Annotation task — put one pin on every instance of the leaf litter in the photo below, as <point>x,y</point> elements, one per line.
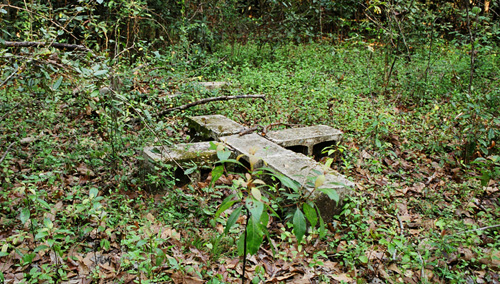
<point>411,209</point>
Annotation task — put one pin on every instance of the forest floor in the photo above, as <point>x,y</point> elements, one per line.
<point>75,205</point>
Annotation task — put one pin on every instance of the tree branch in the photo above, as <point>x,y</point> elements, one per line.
<point>207,100</point>
<point>6,152</point>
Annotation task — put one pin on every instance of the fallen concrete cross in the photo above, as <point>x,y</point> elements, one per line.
<point>272,151</point>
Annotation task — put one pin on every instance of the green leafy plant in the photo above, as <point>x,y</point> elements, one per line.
<point>255,200</point>
<point>489,168</point>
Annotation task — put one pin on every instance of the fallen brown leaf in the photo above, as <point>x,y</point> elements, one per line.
<point>343,277</point>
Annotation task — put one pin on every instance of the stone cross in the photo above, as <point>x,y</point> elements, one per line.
<point>278,150</point>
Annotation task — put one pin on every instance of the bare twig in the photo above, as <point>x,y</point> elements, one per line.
<point>249,130</point>
<point>401,228</point>
<point>6,152</point>
<point>10,77</point>
<point>402,34</point>
<point>207,100</point>
<point>123,51</point>
<point>422,269</point>
<point>479,229</point>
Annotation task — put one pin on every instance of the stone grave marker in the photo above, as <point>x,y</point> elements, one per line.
<point>272,151</point>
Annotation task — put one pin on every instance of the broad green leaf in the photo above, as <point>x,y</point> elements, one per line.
<point>254,235</point>
<point>256,193</point>
<point>310,213</point>
<point>223,155</point>
<point>255,207</point>
<point>264,219</point>
<point>328,163</point>
<point>2,254</point>
<point>57,83</point>
<point>322,228</point>
<point>43,203</point>
<point>213,146</point>
<point>41,234</point>
<point>100,72</point>
<point>226,204</point>
<point>320,180</point>
<point>105,244</point>
<point>241,244</point>
<point>216,174</point>
<point>440,223</point>
<point>190,170</point>
<point>93,192</point>
<point>363,259</point>
<point>273,212</point>
<point>25,215</point>
<point>39,248</point>
<point>299,225</point>
<point>141,243</point>
<point>288,182</point>
<point>28,258</point>
<point>485,178</point>
<point>48,223</point>
<point>332,193</point>
<point>232,219</point>
<point>159,256</point>
<point>147,114</point>
<point>173,262</point>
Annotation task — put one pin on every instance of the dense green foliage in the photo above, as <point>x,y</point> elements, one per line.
<point>414,85</point>
<point>119,24</point>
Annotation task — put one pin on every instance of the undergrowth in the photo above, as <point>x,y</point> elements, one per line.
<point>76,200</point>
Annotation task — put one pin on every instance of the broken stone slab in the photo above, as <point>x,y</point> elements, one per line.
<point>306,140</point>
<point>296,166</point>
<point>214,126</point>
<point>184,154</point>
<point>212,85</point>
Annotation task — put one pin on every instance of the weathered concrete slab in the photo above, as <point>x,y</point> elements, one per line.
<point>214,126</point>
<point>212,85</point>
<point>181,154</point>
<point>307,137</point>
<point>184,152</point>
<point>294,165</point>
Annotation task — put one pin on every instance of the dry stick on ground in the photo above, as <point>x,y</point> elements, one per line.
<point>479,229</point>
<point>207,100</point>
<point>6,152</point>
